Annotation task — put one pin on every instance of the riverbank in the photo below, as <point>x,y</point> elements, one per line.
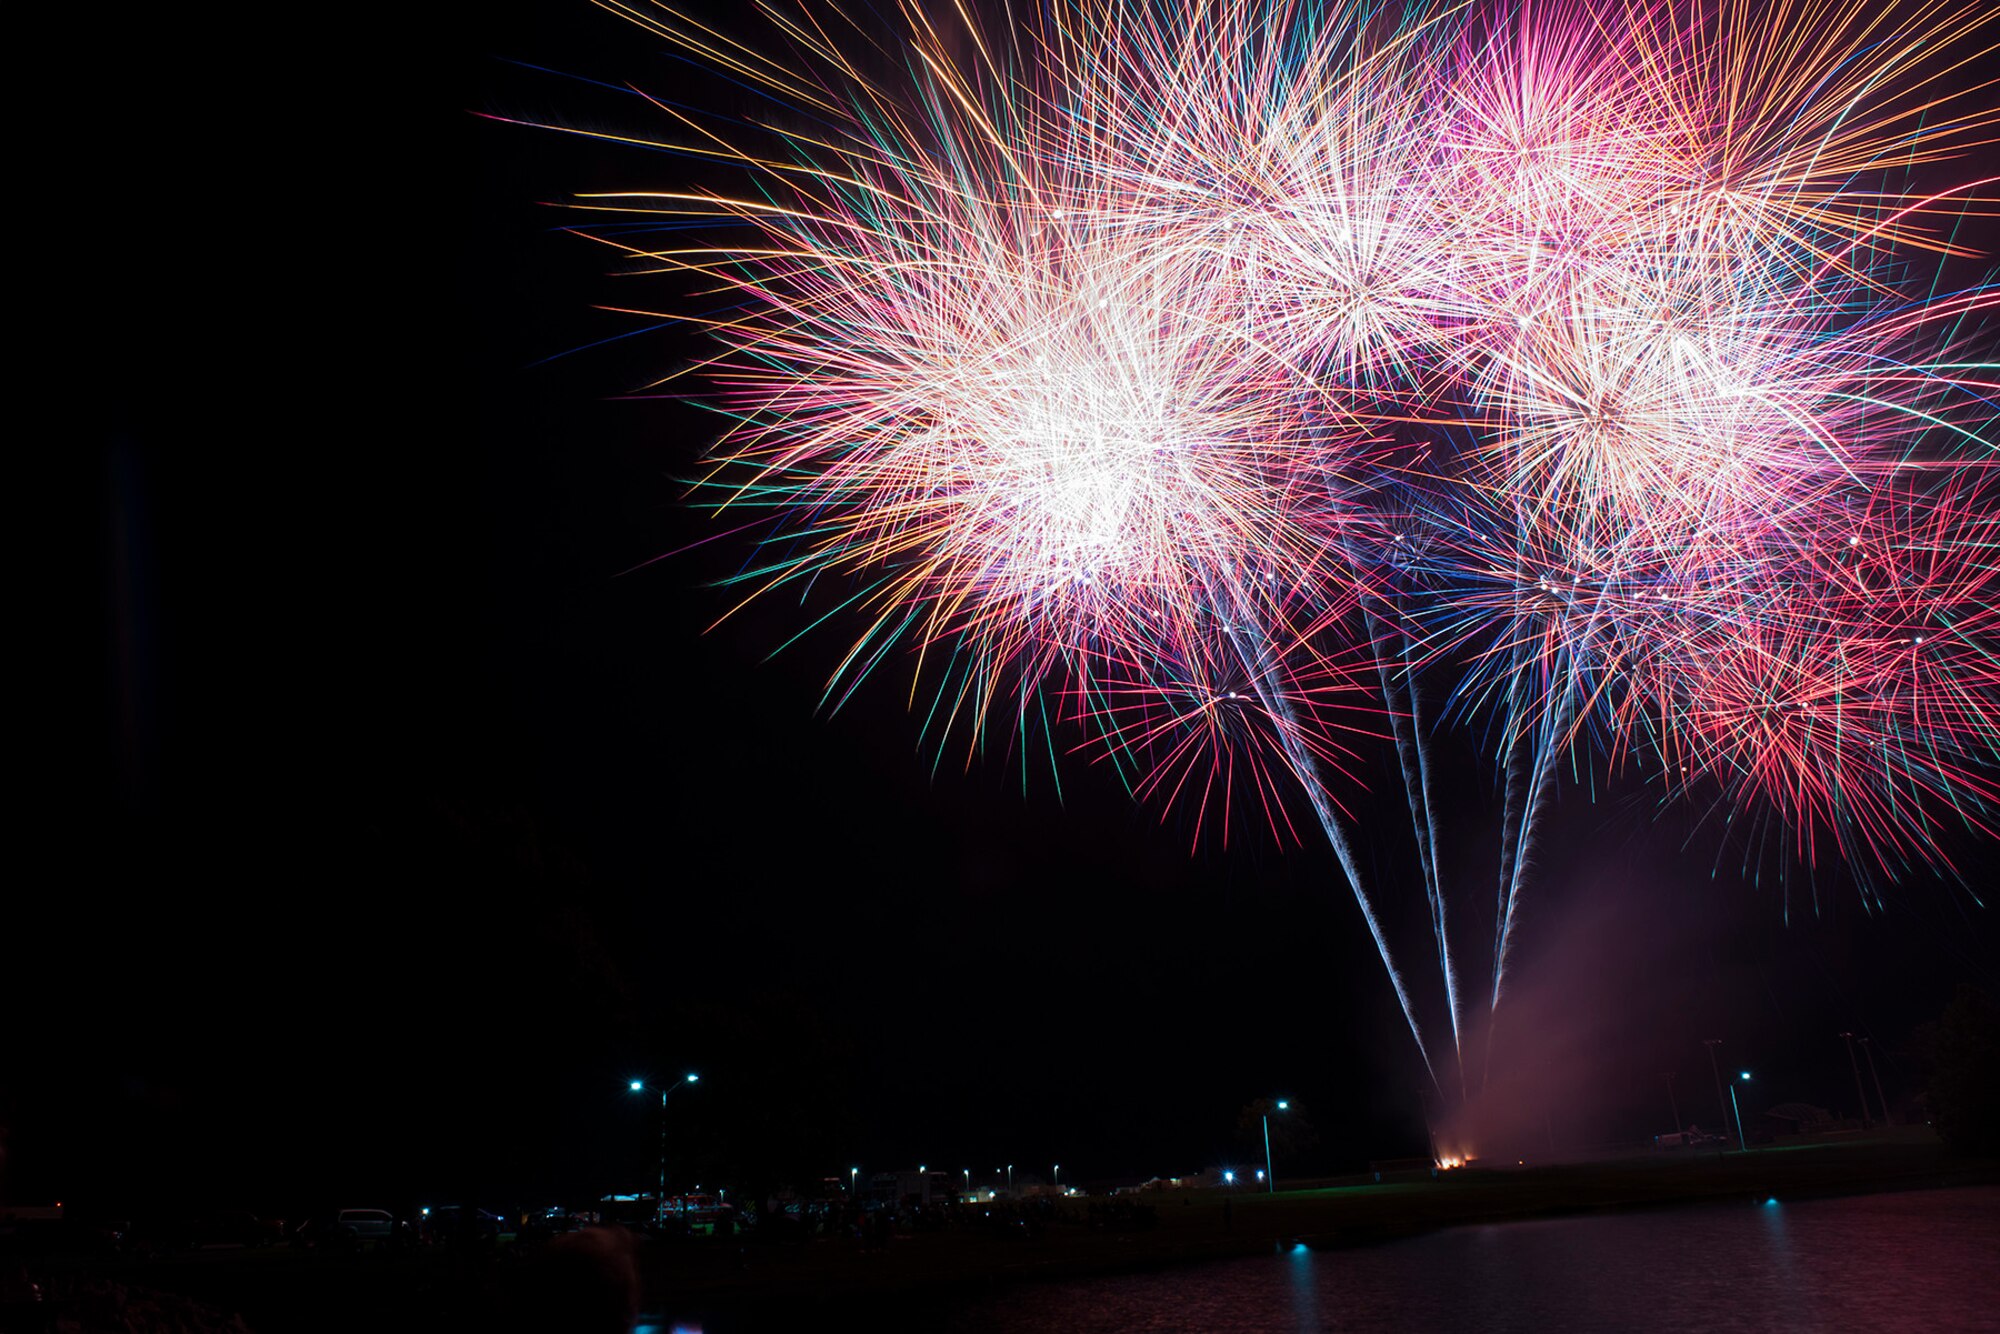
<point>731,1286</point>
<point>781,1286</point>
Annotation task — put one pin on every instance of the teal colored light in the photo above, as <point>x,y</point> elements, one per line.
<point>636,1086</point>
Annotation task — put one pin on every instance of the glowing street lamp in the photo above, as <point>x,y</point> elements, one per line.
<point>639,1086</point>
<point>1741,1143</point>
<point>853,1182</point>
<point>1269,1174</point>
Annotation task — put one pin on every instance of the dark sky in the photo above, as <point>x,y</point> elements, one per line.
<point>394,816</point>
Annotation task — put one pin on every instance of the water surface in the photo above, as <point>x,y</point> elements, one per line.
<point>1925,1260</point>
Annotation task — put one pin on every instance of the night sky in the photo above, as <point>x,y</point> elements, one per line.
<point>391,802</point>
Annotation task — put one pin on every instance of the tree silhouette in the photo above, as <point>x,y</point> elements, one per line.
<point>1960,1052</point>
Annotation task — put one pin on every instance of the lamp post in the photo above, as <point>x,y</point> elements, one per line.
<point>1855,1066</point>
<point>1881,1100</point>
<point>1673,1102</point>
<point>1716,1070</point>
<point>1741,1143</point>
<point>1270,1173</point>
<point>1430,1130</point>
<point>639,1086</point>
<point>1059,1178</point>
<point>1010,1178</point>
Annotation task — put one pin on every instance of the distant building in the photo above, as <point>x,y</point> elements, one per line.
<point>1403,1169</point>
<point>1797,1118</point>
<point>898,1189</point>
<point>1188,1182</point>
<point>634,1210</point>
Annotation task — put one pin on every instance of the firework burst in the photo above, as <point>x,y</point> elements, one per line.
<point>1225,383</point>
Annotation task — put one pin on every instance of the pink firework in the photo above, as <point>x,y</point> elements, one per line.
<point>1177,372</point>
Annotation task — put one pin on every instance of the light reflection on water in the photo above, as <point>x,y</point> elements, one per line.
<point>1926,1260</point>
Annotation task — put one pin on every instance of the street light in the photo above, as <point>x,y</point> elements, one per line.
<point>639,1086</point>
<point>853,1182</point>
<point>1881,1099</point>
<point>1058,1176</point>
<point>1270,1173</point>
<point>1741,1143</point>
<point>1856,1067</point>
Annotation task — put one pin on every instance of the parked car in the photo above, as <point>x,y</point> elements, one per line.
<point>540,1224</point>
<point>461,1225</point>
<point>234,1227</point>
<point>349,1230</point>
<point>698,1216</point>
<point>364,1226</point>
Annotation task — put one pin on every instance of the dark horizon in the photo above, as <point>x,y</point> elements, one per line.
<point>407,804</point>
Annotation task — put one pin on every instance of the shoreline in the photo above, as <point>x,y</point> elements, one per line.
<point>1196,1227</point>
<point>729,1286</point>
